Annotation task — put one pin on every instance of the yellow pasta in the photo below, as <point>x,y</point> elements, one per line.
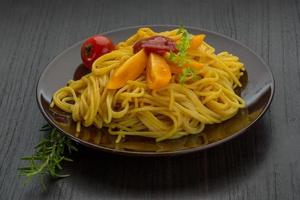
<point>166,113</point>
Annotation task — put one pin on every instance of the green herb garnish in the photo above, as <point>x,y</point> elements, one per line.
<point>183,46</point>
<point>188,71</point>
<point>180,57</point>
<point>49,154</point>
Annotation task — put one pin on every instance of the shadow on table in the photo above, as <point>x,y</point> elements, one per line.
<point>96,173</point>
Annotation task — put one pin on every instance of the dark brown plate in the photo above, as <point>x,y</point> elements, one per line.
<point>258,92</point>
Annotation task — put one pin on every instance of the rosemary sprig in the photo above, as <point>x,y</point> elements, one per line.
<point>49,154</point>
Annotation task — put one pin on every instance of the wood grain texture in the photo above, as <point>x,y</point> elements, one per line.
<point>261,164</point>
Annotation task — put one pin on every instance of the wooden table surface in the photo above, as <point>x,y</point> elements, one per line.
<point>264,163</point>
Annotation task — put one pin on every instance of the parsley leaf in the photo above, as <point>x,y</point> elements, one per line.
<point>180,57</point>
<point>182,47</point>
<point>188,71</point>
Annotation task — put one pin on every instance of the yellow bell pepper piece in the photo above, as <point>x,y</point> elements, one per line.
<point>158,72</point>
<point>196,41</point>
<point>189,63</point>
<point>129,70</point>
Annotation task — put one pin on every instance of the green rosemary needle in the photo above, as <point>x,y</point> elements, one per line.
<point>49,154</point>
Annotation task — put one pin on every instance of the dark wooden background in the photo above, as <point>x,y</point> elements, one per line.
<point>264,163</point>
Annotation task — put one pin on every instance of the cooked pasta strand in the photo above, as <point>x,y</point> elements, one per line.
<point>168,113</point>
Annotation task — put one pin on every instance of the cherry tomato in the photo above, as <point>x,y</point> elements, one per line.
<point>93,48</point>
<point>156,44</point>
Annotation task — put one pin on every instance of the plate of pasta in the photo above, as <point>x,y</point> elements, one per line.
<point>155,90</point>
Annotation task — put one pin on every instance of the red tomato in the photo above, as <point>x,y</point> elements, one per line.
<point>93,48</point>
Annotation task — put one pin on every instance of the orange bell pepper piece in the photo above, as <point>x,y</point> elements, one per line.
<point>196,41</point>
<point>190,63</point>
<point>175,69</point>
<point>193,64</point>
<point>158,72</point>
<point>129,70</point>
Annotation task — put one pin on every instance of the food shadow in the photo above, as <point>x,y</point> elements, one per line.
<point>204,172</point>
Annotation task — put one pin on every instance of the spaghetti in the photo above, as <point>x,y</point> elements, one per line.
<point>166,113</point>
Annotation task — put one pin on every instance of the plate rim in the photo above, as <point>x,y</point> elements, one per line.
<point>169,153</point>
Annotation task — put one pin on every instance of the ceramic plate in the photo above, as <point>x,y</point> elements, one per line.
<point>257,91</point>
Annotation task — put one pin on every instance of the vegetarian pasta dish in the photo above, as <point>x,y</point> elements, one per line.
<point>158,85</point>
